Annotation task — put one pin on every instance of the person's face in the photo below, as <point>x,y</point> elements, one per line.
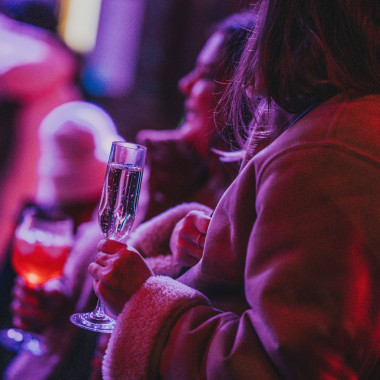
<point>203,86</point>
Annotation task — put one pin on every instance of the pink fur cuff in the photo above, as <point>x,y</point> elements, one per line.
<point>143,326</point>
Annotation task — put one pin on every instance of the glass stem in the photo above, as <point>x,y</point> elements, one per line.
<point>99,312</point>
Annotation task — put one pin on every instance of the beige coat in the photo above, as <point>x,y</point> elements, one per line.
<point>289,283</point>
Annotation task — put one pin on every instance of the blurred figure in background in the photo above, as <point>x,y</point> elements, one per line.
<point>75,139</point>
<point>182,164</point>
<point>38,73</point>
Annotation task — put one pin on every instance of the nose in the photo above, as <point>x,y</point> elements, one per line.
<point>186,83</point>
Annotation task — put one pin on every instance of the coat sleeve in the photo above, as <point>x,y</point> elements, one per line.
<point>311,281</point>
<point>313,261</point>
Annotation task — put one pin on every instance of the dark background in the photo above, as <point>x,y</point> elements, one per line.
<point>172,33</point>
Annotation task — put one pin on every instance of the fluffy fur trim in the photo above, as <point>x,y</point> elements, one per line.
<point>143,326</point>
<point>164,265</point>
<point>152,237</point>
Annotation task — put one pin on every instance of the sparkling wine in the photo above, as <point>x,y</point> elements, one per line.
<point>38,261</point>
<point>120,196</point>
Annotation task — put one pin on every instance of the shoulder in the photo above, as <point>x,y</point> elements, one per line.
<point>341,124</point>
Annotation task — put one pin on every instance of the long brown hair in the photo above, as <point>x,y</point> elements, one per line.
<point>302,51</point>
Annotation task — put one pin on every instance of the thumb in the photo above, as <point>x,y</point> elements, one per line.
<point>202,221</point>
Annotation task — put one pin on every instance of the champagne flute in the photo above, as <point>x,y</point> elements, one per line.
<point>117,211</point>
<point>41,245</point>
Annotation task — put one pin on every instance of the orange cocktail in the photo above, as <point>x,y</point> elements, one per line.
<point>38,261</point>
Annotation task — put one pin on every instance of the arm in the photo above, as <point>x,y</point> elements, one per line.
<point>188,238</point>
<point>311,279</point>
<point>153,238</point>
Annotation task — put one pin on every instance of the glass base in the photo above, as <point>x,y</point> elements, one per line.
<point>17,340</point>
<point>93,322</point>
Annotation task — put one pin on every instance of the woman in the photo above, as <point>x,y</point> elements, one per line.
<point>294,242</point>
<point>184,157</point>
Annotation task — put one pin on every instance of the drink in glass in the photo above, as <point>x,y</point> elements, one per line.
<point>40,248</point>
<point>117,211</point>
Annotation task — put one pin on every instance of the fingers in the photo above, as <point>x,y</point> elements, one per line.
<point>112,266</point>
<point>34,309</point>
<point>105,257</point>
<point>200,240</point>
<point>34,320</point>
<point>195,223</point>
<point>109,252</point>
<point>186,252</point>
<point>195,227</point>
<point>24,294</point>
<point>110,246</point>
<point>188,238</point>
<point>118,274</point>
<point>25,310</point>
<point>201,221</point>
<point>102,258</point>
<point>26,316</point>
<point>114,300</point>
<point>96,271</point>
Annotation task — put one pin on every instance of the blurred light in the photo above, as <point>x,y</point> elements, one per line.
<point>32,279</point>
<point>110,68</point>
<point>17,49</point>
<point>78,23</point>
<point>15,335</point>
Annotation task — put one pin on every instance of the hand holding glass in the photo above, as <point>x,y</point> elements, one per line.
<point>117,212</point>
<point>40,249</point>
